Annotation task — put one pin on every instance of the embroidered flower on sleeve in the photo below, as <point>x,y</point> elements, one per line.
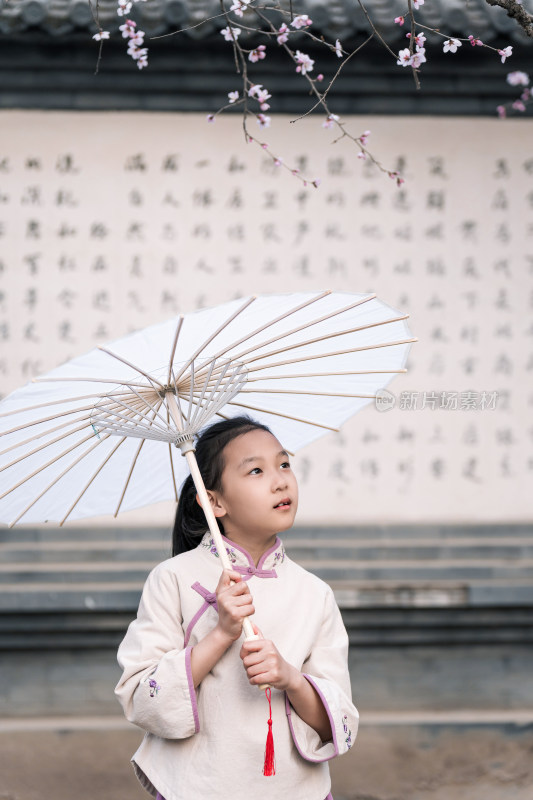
<point>154,687</point>
<point>348,739</point>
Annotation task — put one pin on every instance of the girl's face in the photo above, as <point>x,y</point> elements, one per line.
<point>259,494</point>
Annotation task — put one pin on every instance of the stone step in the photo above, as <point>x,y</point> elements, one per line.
<point>327,568</point>
<point>513,548</point>
<point>373,533</point>
<point>102,596</point>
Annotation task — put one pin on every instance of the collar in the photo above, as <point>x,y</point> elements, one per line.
<point>241,560</point>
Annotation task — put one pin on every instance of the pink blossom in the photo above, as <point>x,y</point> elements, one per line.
<point>338,49</point>
<point>502,113</point>
<point>451,45</point>
<point>519,106</point>
<point>518,78</point>
<point>419,57</point>
<point>420,40</point>
<point>233,97</point>
<point>239,7</point>
<point>278,162</point>
<point>255,89</point>
<point>305,63</point>
<point>264,145</point>
<point>399,20</point>
<point>404,58</point>
<point>137,40</point>
<point>283,34</point>
<point>417,4</point>
<point>361,154</point>
<point>507,52</point>
<point>364,137</point>
<point>128,29</point>
<point>142,61</point>
<point>258,54</point>
<point>473,41</point>
<point>330,120</point>
<point>263,121</point>
<point>262,96</point>
<point>101,35</point>
<point>210,118</point>
<point>320,77</point>
<point>230,34</point>
<point>526,95</point>
<point>301,21</point>
<point>124,7</point>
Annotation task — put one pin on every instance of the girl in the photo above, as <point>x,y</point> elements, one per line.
<point>187,679</point>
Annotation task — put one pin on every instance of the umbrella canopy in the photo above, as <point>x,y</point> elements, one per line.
<point>101,433</point>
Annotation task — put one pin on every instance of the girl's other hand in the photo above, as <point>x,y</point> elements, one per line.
<point>234,603</point>
<point>265,665</point>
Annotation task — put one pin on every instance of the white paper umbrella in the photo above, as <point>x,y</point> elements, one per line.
<point>102,433</point>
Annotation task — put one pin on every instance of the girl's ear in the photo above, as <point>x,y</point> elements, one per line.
<point>216,505</point>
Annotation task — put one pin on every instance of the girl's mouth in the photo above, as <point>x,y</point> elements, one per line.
<point>285,503</point>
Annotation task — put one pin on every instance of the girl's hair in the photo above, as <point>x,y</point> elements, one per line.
<point>190,523</point>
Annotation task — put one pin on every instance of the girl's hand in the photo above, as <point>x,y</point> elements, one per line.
<point>264,665</point>
<point>234,604</point>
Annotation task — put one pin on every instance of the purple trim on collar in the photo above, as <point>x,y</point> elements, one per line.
<point>258,571</point>
<point>192,692</point>
<point>274,547</point>
<point>331,722</point>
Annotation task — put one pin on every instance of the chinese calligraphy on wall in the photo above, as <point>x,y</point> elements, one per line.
<point>110,222</point>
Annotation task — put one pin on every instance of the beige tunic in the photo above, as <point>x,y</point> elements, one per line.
<point>209,743</point>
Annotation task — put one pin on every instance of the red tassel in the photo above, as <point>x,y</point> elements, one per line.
<point>270,762</point>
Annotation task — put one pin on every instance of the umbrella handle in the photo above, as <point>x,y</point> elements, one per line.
<point>249,633</point>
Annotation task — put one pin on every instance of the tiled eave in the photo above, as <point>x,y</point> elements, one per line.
<point>342,19</point>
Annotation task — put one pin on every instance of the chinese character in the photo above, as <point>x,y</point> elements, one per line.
<point>65,164</point>
<point>136,163</point>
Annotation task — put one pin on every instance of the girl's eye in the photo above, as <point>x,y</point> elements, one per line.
<point>255,471</point>
<point>285,465</point>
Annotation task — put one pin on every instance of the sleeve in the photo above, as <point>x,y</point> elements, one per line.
<point>326,669</point>
<point>156,689</point>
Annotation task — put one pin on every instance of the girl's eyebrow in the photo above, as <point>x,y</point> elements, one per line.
<point>261,458</point>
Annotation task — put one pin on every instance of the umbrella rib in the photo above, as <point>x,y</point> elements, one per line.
<point>172,472</point>
<point>52,461</point>
<point>48,464</point>
<point>215,334</point>
<point>334,353</point>
<point>326,374</point>
<point>42,446</point>
<point>131,471</point>
<point>306,392</point>
<point>58,478</point>
<point>287,416</point>
<point>114,381</point>
<point>94,476</point>
<point>137,412</point>
<point>156,413</point>
<point>271,323</point>
<point>44,433</point>
<point>129,364</point>
<point>173,351</point>
<point>332,335</point>
<point>51,403</point>
<point>191,395</point>
<point>203,390</point>
<point>302,327</point>
<point>53,417</point>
